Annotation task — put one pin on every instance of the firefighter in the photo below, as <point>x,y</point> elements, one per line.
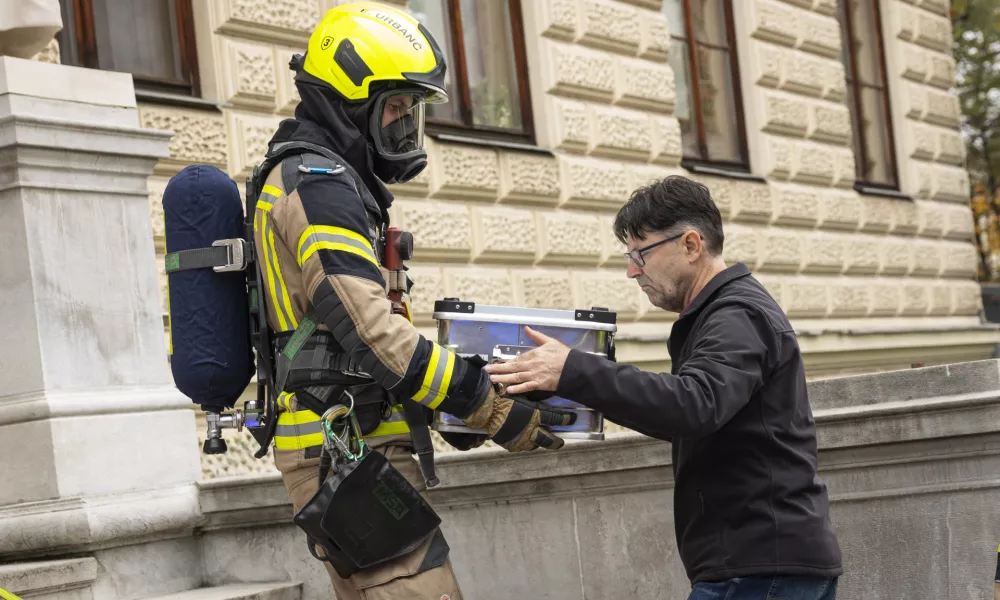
<point>364,81</point>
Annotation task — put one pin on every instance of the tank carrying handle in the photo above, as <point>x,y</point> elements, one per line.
<point>223,256</point>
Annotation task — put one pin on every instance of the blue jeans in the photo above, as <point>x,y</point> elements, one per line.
<point>770,587</point>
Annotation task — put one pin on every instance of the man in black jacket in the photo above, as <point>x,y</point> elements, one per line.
<point>751,514</point>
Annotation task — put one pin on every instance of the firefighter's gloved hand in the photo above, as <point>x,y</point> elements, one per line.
<point>518,424</point>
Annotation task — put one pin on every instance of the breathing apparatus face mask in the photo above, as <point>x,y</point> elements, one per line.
<point>397,133</point>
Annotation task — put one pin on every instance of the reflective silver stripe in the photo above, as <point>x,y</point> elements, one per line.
<point>431,395</point>
<point>298,430</point>
<point>337,239</point>
<point>397,415</point>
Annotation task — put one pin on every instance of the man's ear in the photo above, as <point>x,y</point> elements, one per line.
<point>694,246</point>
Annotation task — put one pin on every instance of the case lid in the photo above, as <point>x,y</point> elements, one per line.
<point>596,318</point>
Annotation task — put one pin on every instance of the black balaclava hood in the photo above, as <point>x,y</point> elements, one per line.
<point>346,125</point>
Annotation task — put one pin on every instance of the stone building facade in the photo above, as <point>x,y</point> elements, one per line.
<point>873,276</point>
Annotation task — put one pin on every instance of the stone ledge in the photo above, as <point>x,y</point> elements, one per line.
<point>63,82</point>
<point>53,404</point>
<point>31,579</point>
<point>86,523</point>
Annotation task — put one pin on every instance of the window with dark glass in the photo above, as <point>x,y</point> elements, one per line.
<point>483,42</point>
<point>709,103</point>
<point>151,39</point>
<point>863,56</point>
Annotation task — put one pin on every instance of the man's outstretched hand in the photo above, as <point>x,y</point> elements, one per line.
<point>537,370</point>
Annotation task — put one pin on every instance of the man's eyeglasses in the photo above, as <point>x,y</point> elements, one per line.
<point>636,255</point>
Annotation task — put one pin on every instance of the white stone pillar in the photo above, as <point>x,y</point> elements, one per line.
<point>92,431</point>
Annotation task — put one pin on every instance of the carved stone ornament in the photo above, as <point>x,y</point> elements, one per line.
<point>27,26</point>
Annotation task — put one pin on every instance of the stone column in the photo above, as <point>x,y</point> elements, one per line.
<point>96,445</point>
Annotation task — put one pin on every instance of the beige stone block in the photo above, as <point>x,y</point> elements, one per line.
<point>834,86</point>
<point>849,297</point>
<point>465,172</point>
<point>278,21</point>
<point>645,85</point>
<point>915,101</point>
<point>620,133</point>
<point>905,217</point>
<point>816,163</point>
<point>865,256</point>
<point>876,214</point>
<point>656,5</point>
<point>805,297</point>
<point>966,298</point>
<point>441,230</point>
<point>923,174</point>
<point>779,158</point>
<point>934,31</point>
<point>846,173</point>
<point>830,123</point>
<point>942,71</point>
<point>824,252</point>
<point>248,137</point>
<point>503,234</point>
<point>940,294</point>
<point>199,137</point>
<point>886,295</point>
<point>609,289</point>
<point>807,74</point>
<point>785,114</point>
<point>775,22</point>
<point>643,175</point>
<point>916,63</point>
<point>667,145</point>
<point>959,224</point>
<point>925,257</point>
<point>593,183</point>
<point>907,20</point>
<point>959,259</point>
<point>949,183</point>
<point>916,299</point>
<point>924,141</point>
<point>951,148</point>
<point>819,34</point>
<point>942,108</point>
<point>796,205</point>
<point>839,209</point>
<point>570,123</point>
<point>610,25</point>
<point>480,285</point>
<point>721,190</point>
<point>545,289</point>
<point>612,250</point>
<point>568,238</point>
<point>781,250</point>
<point>897,256</point>
<point>558,19</point>
<point>770,64</point>
<point>428,287</point>
<point>936,6</point>
<point>529,178</point>
<point>248,75</point>
<point>577,72</point>
<point>750,201</point>
<point>287,93</point>
<point>826,7</point>
<point>654,36</point>
<point>741,244</point>
<point>932,218</point>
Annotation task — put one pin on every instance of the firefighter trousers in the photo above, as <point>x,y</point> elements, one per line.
<point>420,575</point>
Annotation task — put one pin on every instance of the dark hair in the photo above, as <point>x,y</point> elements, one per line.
<point>667,203</point>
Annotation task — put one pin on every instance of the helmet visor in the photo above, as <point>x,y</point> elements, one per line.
<point>401,129</point>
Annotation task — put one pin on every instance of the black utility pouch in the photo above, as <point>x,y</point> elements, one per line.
<point>365,515</point>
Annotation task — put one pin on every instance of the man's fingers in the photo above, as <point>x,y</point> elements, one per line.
<point>537,337</point>
<point>522,388</point>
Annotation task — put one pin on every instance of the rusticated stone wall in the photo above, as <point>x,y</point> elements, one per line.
<point>870,282</point>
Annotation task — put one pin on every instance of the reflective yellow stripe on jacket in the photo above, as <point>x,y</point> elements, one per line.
<point>302,429</point>
<point>280,298</point>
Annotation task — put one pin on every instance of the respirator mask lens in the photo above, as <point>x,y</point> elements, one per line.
<point>401,129</point>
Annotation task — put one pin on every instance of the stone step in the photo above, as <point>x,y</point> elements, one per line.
<point>68,578</point>
<point>282,590</point>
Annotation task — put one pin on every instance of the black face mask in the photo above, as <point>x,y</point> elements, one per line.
<point>393,170</point>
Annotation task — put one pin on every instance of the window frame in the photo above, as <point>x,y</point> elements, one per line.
<point>463,93</point>
<point>693,63</point>
<point>853,90</point>
<point>85,53</point>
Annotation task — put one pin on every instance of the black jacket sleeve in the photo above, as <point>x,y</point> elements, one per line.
<point>725,368</point>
